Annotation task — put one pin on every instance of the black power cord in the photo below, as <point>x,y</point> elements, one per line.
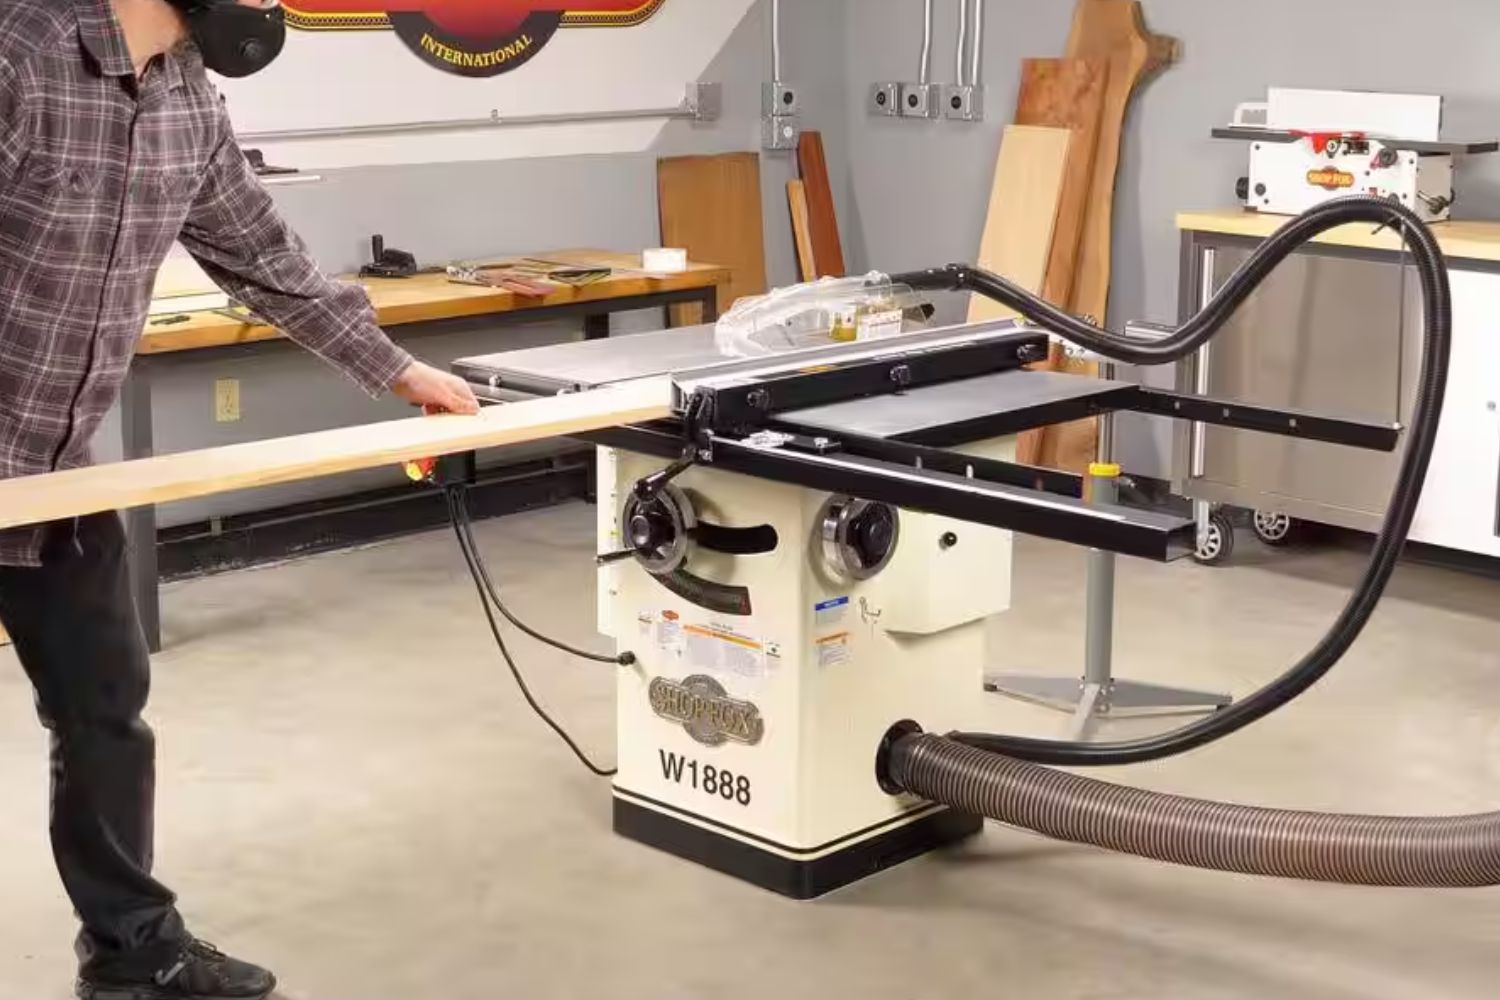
<point>466,525</point>
<point>458,515</point>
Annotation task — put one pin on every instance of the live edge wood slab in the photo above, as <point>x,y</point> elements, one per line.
<point>185,475</point>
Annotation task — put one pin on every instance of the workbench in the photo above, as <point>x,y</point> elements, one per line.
<point>1338,329</point>
<point>416,304</point>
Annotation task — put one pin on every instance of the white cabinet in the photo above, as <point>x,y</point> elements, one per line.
<point>1458,508</point>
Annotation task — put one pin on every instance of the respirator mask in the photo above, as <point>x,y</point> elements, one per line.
<point>234,39</point>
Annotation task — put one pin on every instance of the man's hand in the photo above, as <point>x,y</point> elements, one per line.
<point>423,385</point>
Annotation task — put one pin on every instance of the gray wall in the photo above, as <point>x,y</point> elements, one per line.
<point>921,189</point>
<point>443,212</point>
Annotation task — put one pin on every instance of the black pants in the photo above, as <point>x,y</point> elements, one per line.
<point>74,625</point>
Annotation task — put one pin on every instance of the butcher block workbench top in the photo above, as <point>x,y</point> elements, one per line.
<point>1460,240</point>
<point>429,297</point>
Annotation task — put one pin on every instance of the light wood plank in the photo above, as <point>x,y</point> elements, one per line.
<point>711,207</point>
<point>796,197</point>
<point>1063,93</point>
<point>1023,208</point>
<point>1460,240</point>
<point>430,297</point>
<point>185,475</point>
<point>1024,202</point>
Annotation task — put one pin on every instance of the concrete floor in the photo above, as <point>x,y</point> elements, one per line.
<point>352,791</point>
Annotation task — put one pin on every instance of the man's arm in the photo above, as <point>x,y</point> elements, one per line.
<point>238,236</point>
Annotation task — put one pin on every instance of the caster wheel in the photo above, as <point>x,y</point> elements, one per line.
<point>1273,529</point>
<point>1217,543</point>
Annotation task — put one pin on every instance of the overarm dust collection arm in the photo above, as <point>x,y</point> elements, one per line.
<point>1421,437</point>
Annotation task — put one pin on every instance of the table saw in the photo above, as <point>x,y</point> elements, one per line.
<point>807,552</point>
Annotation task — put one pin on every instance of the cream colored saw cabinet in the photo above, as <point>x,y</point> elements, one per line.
<point>765,682</point>
<point>1336,330</point>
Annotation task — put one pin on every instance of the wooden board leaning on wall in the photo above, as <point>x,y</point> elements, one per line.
<point>711,207</point>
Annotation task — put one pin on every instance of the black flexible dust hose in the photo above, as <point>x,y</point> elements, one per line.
<point>1418,852</point>
<point>1421,436</point>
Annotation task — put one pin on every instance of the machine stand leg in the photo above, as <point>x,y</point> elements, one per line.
<point>1098,694</point>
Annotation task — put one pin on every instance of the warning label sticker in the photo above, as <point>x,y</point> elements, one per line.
<point>830,612</point>
<point>669,631</point>
<point>662,630</point>
<point>722,650</point>
<point>833,649</point>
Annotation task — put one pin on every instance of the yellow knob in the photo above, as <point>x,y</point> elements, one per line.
<point>1101,470</point>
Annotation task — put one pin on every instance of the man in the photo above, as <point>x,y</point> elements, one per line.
<point>113,144</point>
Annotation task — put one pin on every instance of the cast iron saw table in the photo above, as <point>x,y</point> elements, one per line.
<point>886,421</point>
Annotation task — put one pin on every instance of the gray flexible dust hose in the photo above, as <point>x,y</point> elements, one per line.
<point>1429,852</point>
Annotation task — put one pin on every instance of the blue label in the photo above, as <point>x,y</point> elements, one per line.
<point>837,602</point>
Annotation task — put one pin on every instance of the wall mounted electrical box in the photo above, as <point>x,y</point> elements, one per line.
<point>920,100</point>
<point>779,126</point>
<point>964,103</point>
<point>885,99</point>
<point>779,99</point>
<point>780,132</point>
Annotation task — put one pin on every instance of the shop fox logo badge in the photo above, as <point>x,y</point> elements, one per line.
<point>469,37</point>
<point>1330,179</point>
<point>706,711</point>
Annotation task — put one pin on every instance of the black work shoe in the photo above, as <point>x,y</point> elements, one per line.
<point>198,972</point>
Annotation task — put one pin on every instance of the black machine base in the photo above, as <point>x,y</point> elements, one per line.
<point>799,879</point>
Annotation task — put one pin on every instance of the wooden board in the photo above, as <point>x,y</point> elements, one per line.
<point>1115,31</point>
<point>429,297</point>
<point>1023,211</point>
<point>711,207</point>
<point>1066,93</point>
<point>796,197</point>
<point>181,476</point>
<point>823,220</point>
<point>1111,32</point>
<point>1063,93</point>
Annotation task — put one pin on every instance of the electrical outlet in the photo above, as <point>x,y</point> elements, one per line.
<point>778,98</point>
<point>780,132</point>
<point>227,400</point>
<point>963,103</point>
<point>919,100</point>
<point>885,99</point>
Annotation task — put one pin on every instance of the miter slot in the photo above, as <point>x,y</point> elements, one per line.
<point>1113,529</point>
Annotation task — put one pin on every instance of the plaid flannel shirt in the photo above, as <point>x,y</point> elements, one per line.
<point>99,174</point>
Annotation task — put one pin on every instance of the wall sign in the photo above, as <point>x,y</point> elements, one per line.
<point>465,37</point>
